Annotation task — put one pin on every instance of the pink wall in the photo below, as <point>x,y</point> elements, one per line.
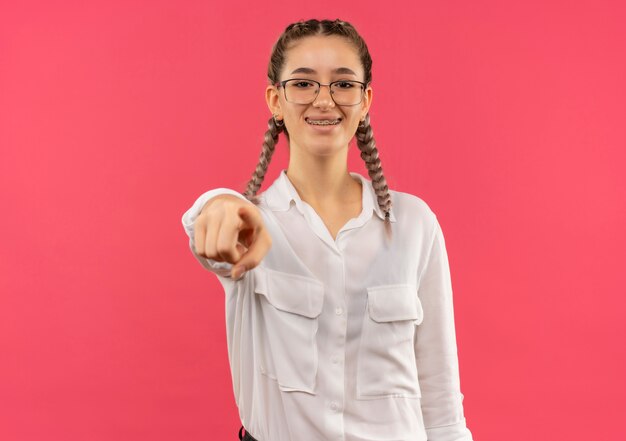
<point>506,117</point>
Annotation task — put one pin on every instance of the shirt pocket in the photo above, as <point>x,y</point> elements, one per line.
<point>290,305</point>
<point>386,363</point>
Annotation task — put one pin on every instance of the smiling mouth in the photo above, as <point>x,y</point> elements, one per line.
<point>323,122</point>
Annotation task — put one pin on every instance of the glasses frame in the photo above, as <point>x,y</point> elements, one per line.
<point>319,87</point>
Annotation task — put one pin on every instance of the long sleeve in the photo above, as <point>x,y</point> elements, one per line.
<point>436,349</point>
<point>222,269</point>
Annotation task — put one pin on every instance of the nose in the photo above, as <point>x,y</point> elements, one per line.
<point>324,98</point>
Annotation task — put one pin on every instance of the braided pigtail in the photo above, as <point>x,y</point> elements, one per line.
<point>369,154</point>
<point>269,145</point>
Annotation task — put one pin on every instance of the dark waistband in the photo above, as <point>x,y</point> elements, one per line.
<point>246,436</point>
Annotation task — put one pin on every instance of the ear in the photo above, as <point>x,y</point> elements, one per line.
<point>367,101</point>
<point>272,97</point>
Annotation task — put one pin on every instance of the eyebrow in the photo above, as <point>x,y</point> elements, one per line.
<point>339,70</point>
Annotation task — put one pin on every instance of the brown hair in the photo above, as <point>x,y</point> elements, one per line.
<point>364,133</point>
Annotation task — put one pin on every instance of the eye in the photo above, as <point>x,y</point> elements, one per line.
<point>303,84</point>
<point>345,85</point>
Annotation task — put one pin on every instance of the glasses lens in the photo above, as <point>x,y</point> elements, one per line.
<point>345,93</point>
<point>300,91</point>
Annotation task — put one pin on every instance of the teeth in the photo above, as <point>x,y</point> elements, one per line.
<point>323,122</point>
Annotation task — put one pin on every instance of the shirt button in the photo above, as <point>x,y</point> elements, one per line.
<point>334,406</point>
<point>339,310</point>
<point>335,360</point>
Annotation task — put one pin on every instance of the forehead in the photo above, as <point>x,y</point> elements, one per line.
<point>323,54</point>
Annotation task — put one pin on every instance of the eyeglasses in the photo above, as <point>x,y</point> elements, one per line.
<point>305,91</point>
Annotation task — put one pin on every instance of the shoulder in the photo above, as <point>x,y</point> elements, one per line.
<point>412,203</point>
<point>412,210</point>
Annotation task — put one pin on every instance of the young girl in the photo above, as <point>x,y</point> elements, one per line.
<point>339,308</point>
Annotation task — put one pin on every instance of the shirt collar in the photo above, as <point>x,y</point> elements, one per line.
<point>280,194</point>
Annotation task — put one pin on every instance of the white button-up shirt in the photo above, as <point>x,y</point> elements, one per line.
<point>346,339</point>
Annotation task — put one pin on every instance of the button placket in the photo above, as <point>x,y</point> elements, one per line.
<point>336,348</point>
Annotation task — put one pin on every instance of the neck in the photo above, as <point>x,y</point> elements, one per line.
<point>323,183</point>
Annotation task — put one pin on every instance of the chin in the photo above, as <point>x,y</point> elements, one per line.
<point>325,148</point>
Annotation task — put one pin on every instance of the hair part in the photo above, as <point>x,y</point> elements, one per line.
<point>364,134</point>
